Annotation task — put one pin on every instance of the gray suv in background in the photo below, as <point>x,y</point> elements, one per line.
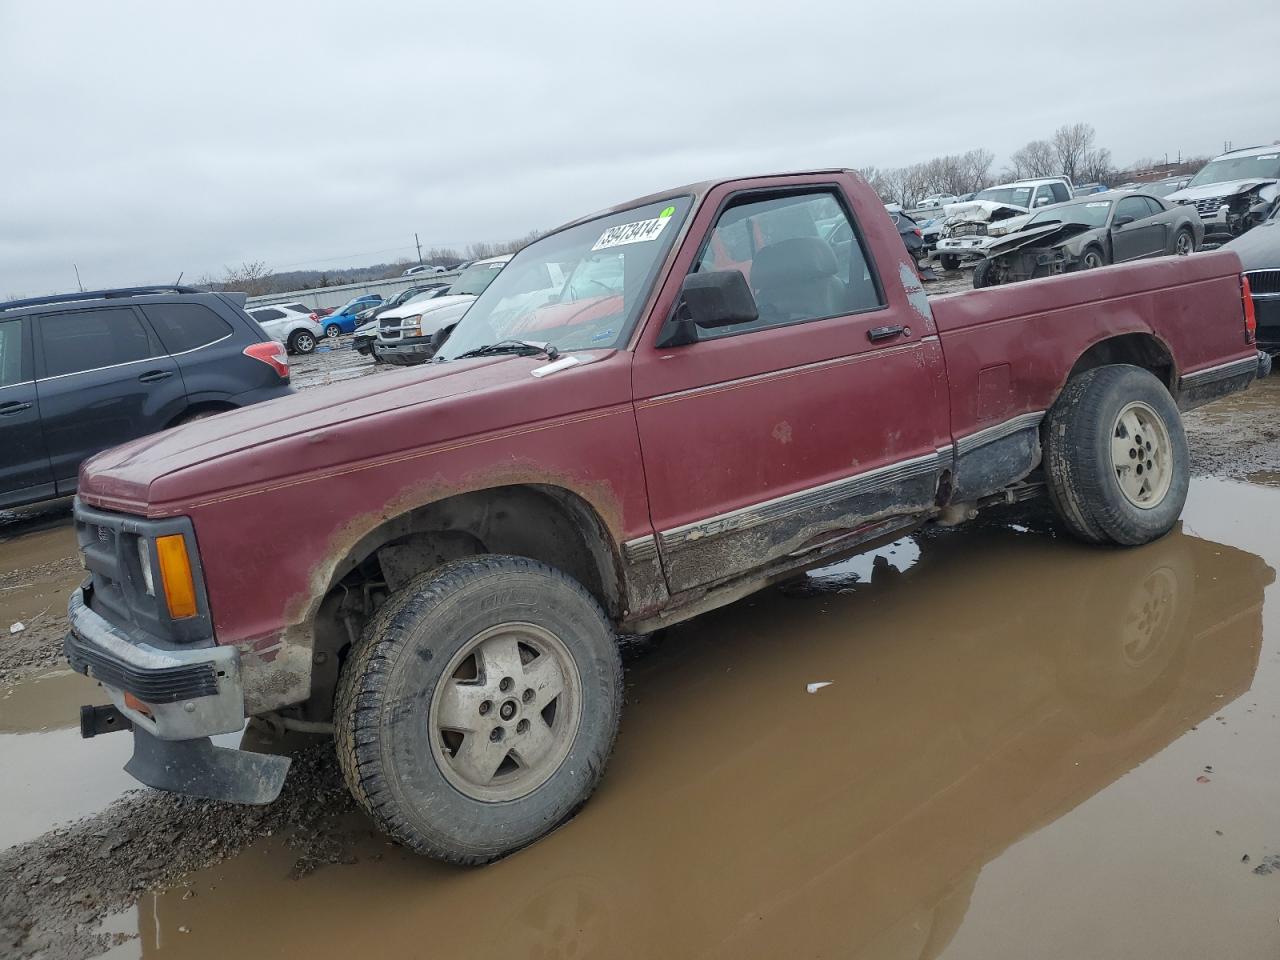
<point>86,371</point>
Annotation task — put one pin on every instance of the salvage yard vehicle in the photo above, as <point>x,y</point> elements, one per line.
<point>1259,251</point>
<point>649,413</point>
<point>291,326</point>
<point>1234,192</point>
<point>411,333</point>
<point>1086,234</point>
<point>343,320</point>
<point>993,212</point>
<point>81,372</point>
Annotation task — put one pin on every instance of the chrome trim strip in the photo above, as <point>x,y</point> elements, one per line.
<point>228,336</point>
<point>769,511</point>
<point>1222,371</point>
<point>110,366</point>
<point>999,431</point>
<point>20,383</point>
<point>641,549</point>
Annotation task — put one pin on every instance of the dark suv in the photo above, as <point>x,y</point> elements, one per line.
<point>86,371</point>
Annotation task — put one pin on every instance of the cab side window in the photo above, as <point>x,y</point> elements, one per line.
<point>801,257</point>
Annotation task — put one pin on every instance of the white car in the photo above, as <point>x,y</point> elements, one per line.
<point>291,324</point>
<point>936,200</point>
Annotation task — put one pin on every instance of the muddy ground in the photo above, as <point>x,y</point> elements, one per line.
<point>1028,748</point>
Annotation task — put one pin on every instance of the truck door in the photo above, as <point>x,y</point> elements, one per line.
<point>102,378</point>
<point>821,420</point>
<point>25,475</point>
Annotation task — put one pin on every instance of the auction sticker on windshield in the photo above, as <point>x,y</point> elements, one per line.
<point>638,231</point>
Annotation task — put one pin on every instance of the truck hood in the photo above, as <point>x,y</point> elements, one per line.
<point>149,475</point>
<point>982,210</point>
<point>426,307</point>
<point>1227,188</point>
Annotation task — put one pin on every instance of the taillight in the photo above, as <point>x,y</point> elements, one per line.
<point>315,316</point>
<point>1250,315</point>
<point>917,232</point>
<point>273,354</point>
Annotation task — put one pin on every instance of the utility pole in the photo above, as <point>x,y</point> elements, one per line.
<point>419,246</point>
<point>78,283</point>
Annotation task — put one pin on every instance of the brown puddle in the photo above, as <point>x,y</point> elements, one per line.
<point>1005,764</point>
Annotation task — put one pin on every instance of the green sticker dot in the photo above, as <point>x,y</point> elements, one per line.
<point>669,212</point>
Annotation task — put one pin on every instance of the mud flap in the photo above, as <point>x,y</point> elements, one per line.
<point>199,769</point>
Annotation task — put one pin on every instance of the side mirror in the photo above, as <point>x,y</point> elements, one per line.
<point>1043,202</point>
<point>710,298</point>
<point>1121,221</point>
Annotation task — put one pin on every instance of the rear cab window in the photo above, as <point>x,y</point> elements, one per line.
<point>186,326</point>
<point>91,340</point>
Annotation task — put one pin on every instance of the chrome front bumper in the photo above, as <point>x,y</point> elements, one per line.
<point>190,693</point>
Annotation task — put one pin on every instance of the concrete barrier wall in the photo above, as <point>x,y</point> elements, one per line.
<point>337,296</point>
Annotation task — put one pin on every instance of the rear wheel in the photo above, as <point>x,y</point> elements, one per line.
<point>332,330</point>
<point>1116,457</point>
<point>480,707</point>
<point>302,342</point>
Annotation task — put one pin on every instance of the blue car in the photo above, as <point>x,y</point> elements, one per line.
<point>343,320</point>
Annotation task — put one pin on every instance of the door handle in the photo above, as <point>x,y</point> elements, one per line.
<point>876,334</point>
<point>155,376</point>
<point>13,406</point>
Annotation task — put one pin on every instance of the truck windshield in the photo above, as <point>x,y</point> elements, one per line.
<point>1265,166</point>
<point>580,288</point>
<point>1013,196</point>
<point>474,280</point>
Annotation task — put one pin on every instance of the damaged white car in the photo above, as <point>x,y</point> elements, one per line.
<point>993,213</point>
<point>1234,192</point>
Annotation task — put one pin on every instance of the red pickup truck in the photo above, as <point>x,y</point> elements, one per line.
<point>651,412</point>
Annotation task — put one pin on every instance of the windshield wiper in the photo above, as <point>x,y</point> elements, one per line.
<point>511,346</point>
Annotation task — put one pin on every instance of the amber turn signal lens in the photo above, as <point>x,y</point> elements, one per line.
<point>175,573</point>
<point>133,702</point>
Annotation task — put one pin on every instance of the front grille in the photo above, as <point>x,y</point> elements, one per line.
<point>1266,282</point>
<point>108,542</point>
<point>968,230</point>
<point>1207,206</point>
<point>389,328</point>
<point>158,685</point>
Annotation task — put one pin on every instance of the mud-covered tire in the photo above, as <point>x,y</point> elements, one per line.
<point>949,261</point>
<point>1087,479</point>
<point>982,274</point>
<point>395,758</point>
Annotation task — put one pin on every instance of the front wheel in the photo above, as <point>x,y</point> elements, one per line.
<point>1184,243</point>
<point>333,330</point>
<point>479,708</point>
<point>949,262</point>
<point>984,274</point>
<point>1092,259</point>
<point>1116,457</point>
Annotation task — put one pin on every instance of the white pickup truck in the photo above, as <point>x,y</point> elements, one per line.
<point>992,213</point>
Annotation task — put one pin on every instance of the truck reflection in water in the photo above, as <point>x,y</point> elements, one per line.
<point>979,694</point>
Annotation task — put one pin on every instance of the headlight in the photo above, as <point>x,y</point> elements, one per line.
<point>414,321</point>
<point>144,561</point>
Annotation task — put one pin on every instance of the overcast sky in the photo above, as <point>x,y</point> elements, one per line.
<point>144,139</point>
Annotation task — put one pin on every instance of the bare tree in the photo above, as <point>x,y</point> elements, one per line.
<point>1034,159</point>
<point>1096,166</point>
<point>1072,144</point>
<point>975,171</point>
